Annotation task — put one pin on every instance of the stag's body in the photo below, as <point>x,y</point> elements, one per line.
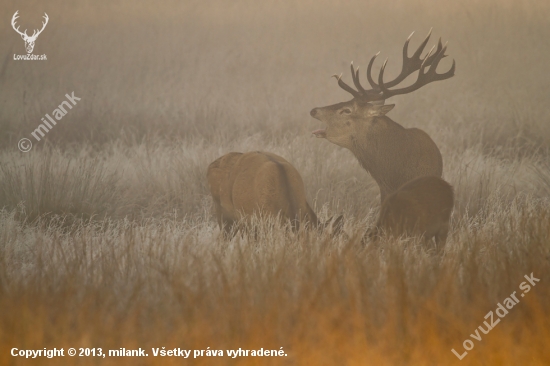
<point>421,207</point>
<point>392,154</point>
<point>244,184</point>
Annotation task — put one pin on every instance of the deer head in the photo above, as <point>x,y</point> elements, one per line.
<point>29,40</point>
<point>366,102</point>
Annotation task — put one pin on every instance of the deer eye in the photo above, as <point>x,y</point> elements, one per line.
<point>345,111</point>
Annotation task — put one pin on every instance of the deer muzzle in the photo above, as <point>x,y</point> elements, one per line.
<point>317,133</point>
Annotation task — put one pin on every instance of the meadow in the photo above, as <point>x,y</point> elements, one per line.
<point>107,237</point>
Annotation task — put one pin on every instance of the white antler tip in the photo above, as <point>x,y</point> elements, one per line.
<point>409,38</point>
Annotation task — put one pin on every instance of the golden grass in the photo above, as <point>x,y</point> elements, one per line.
<point>106,233</point>
<point>325,301</point>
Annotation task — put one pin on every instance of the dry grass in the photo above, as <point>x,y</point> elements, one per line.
<point>106,234</point>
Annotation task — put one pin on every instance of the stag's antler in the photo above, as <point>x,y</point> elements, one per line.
<point>423,77</point>
<point>15,16</point>
<point>46,18</point>
<point>381,91</point>
<point>36,32</point>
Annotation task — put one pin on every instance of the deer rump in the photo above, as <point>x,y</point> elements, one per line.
<point>244,184</point>
<point>421,207</point>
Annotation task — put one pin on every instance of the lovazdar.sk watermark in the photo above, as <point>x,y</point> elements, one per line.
<point>500,311</point>
<point>29,40</point>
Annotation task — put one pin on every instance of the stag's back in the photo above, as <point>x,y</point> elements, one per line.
<point>257,183</point>
<point>421,207</point>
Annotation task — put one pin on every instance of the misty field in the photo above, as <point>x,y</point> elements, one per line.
<point>107,238</point>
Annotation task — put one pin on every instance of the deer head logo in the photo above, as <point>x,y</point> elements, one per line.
<point>29,41</point>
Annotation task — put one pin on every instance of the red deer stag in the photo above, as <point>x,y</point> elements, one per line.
<point>259,183</point>
<point>421,207</point>
<point>392,154</point>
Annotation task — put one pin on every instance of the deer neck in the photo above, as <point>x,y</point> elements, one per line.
<point>373,149</point>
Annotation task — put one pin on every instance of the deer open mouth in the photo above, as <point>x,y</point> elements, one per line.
<point>320,133</point>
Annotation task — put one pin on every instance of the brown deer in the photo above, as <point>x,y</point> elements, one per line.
<point>244,184</point>
<point>392,154</point>
<point>421,207</point>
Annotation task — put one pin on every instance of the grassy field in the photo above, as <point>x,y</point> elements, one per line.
<point>107,238</point>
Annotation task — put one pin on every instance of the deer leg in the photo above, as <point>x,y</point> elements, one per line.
<point>228,229</point>
<point>371,235</point>
<point>441,236</point>
<point>429,243</point>
<point>338,225</point>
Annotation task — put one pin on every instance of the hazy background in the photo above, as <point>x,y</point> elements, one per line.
<point>194,80</point>
<point>168,87</point>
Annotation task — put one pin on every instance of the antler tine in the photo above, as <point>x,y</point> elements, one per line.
<point>427,57</point>
<point>369,69</point>
<point>346,87</point>
<point>450,73</point>
<point>420,48</point>
<point>406,46</point>
<point>355,78</point>
<point>381,77</point>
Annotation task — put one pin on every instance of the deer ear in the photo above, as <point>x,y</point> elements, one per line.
<point>380,110</point>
